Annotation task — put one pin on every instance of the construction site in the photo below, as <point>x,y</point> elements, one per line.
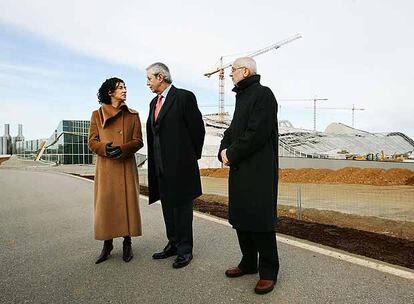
<point>318,156</point>
<point>336,184</point>
<point>337,142</point>
<point>342,187</point>
<point>342,181</point>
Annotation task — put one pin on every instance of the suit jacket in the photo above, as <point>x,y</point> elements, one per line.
<point>175,142</point>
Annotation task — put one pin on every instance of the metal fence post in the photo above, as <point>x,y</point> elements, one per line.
<point>299,202</point>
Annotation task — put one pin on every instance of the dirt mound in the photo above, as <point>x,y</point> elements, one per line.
<point>3,159</point>
<point>303,175</point>
<point>356,176</point>
<point>215,172</point>
<point>351,175</point>
<point>410,181</point>
<point>400,174</point>
<point>348,175</point>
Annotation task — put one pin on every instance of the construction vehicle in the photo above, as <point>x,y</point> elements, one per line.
<point>356,157</point>
<point>379,157</point>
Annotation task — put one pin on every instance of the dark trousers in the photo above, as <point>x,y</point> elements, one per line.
<point>262,244</point>
<point>179,226</point>
<point>178,221</point>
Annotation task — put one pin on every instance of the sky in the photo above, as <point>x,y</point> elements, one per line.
<point>54,55</point>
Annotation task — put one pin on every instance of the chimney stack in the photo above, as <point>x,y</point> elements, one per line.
<point>20,134</point>
<point>6,130</point>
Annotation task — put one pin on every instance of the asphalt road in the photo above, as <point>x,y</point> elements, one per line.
<point>47,254</point>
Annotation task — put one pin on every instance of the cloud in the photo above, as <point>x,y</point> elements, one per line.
<point>352,52</point>
<point>23,70</point>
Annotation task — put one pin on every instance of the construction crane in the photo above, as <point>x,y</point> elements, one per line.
<point>222,67</point>
<point>314,106</point>
<point>353,109</point>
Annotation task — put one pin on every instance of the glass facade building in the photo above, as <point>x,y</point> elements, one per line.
<point>67,145</point>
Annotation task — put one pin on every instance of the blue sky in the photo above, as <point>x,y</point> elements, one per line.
<point>55,54</point>
<point>43,82</point>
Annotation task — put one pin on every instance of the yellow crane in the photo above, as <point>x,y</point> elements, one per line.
<point>220,69</point>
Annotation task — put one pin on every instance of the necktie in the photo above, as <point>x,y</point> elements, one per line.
<point>158,107</point>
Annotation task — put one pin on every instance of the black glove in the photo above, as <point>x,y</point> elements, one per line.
<point>113,152</point>
<point>117,152</point>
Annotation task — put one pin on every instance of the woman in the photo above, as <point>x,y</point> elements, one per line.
<point>115,135</point>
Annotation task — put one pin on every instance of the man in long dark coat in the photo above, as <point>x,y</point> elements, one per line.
<point>250,148</point>
<point>175,135</point>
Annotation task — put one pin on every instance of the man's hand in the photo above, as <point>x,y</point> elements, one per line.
<point>224,157</point>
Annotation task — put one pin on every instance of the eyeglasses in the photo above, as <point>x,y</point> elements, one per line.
<point>234,69</point>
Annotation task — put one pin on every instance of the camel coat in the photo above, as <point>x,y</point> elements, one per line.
<point>116,200</point>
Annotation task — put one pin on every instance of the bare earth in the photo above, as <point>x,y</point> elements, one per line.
<point>3,159</point>
<point>348,175</point>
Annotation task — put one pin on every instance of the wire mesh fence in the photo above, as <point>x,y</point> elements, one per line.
<point>380,209</point>
<point>388,202</point>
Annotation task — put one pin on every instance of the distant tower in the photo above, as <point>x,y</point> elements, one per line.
<point>20,134</point>
<point>6,140</point>
<point>17,139</point>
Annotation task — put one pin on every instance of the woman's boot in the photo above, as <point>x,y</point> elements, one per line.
<point>106,251</point>
<point>127,254</point>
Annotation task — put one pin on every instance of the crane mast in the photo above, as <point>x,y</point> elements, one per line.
<point>353,114</point>
<point>221,93</point>
<point>314,106</point>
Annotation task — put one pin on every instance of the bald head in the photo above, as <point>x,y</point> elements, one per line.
<point>247,62</point>
<point>242,68</point>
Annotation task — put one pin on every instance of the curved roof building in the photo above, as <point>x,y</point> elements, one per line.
<point>338,140</point>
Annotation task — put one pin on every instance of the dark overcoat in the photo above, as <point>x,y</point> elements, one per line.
<point>252,150</point>
<point>116,199</point>
<point>175,142</point>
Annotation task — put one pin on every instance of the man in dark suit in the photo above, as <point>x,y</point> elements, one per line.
<point>175,135</point>
<point>250,148</point>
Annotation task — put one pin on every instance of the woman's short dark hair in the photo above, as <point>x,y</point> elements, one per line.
<point>107,87</point>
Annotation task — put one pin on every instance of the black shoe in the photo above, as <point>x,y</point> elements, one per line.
<point>167,252</point>
<point>106,252</point>
<point>127,254</point>
<point>182,260</point>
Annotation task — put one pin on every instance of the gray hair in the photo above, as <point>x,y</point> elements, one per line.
<point>248,63</point>
<point>160,68</point>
